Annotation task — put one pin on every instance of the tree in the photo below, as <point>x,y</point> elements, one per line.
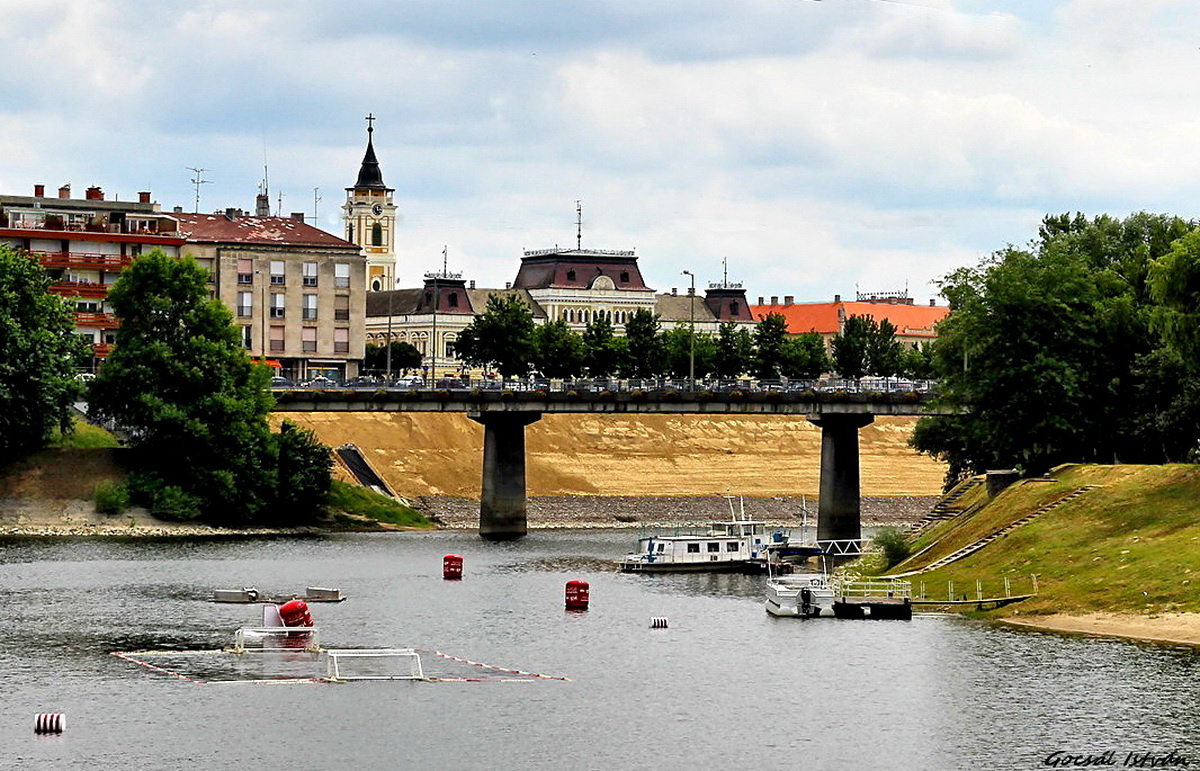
<point>734,351</point>
<point>769,337</point>
<point>558,350</point>
<point>644,352</point>
<point>304,476</point>
<point>852,347</point>
<point>195,406</point>
<point>884,352</point>
<point>404,356</point>
<point>603,351</point>
<point>38,352</point>
<point>804,356</point>
<point>1051,354</point>
<point>502,337</point>
<point>1175,285</point>
<point>916,363</point>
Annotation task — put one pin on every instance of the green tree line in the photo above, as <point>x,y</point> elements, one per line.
<point>1083,346</point>
<point>506,339</point>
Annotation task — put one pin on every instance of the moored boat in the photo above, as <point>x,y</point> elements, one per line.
<point>800,595</point>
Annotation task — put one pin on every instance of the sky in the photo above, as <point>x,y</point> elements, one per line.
<point>807,147</point>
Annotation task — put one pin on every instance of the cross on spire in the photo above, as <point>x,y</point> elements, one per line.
<point>370,122</point>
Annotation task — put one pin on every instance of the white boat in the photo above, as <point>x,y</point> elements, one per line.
<point>800,595</point>
<point>736,544</point>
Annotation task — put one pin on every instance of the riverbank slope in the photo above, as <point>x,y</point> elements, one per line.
<point>1115,551</point>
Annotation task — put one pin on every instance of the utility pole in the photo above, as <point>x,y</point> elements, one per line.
<point>692,333</point>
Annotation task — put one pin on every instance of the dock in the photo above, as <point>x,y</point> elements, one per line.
<point>249,594</point>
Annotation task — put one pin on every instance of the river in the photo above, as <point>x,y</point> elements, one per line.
<point>724,686</point>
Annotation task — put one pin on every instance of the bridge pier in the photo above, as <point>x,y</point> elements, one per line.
<point>838,513</point>
<point>502,506</point>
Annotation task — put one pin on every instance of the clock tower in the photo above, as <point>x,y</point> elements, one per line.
<point>370,218</point>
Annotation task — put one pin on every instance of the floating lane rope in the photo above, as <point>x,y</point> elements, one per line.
<point>533,675</point>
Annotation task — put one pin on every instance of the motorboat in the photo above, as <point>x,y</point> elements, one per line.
<point>800,595</point>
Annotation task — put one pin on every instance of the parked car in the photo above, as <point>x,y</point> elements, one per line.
<point>320,381</point>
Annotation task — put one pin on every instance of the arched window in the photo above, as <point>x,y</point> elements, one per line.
<point>377,235</point>
<point>350,233</point>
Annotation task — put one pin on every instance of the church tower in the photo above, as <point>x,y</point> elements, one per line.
<point>370,218</point>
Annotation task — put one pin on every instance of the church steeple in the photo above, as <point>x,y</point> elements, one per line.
<point>369,175</point>
<point>370,218</point>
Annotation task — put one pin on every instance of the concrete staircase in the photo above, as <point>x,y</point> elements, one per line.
<point>971,548</point>
<point>944,508</point>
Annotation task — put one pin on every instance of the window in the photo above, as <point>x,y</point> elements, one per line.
<point>449,350</point>
<point>377,235</point>
<point>310,274</point>
<point>731,546</point>
<point>244,303</point>
<point>341,275</point>
<point>693,548</point>
<point>341,308</point>
<point>245,271</point>
<point>277,300</point>
<point>734,308</point>
<point>341,340</point>
<point>308,338</point>
<point>309,312</point>
<point>624,277</point>
<point>277,272</point>
<point>714,546</point>
<point>570,275</point>
<point>350,233</point>
<point>661,547</point>
<point>247,337</point>
<point>453,298</point>
<point>276,339</point>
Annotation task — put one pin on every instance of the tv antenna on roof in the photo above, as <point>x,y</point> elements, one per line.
<point>198,180</point>
<point>578,224</point>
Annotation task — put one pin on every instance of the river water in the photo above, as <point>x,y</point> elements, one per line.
<point>724,686</point>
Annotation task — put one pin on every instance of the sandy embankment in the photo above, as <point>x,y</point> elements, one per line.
<point>1175,628</point>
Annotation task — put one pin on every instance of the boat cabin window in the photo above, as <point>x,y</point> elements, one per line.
<point>731,546</point>
<point>693,548</point>
<point>714,546</point>
<point>661,547</point>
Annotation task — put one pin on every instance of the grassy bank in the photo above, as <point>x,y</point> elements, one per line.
<point>1129,545</point>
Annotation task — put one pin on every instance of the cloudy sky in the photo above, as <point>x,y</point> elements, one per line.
<point>819,146</point>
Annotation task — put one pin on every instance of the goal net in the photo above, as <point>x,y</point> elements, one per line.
<point>374,664</point>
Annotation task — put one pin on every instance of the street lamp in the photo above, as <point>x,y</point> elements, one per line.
<point>692,332</point>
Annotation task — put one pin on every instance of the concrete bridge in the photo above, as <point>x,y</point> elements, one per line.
<point>505,413</point>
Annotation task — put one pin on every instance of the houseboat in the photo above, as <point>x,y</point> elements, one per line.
<point>736,545</point>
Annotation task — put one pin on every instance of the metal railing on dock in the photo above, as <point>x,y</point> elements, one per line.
<point>955,596</point>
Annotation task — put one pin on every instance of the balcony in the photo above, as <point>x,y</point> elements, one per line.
<point>82,261</point>
<point>102,350</point>
<point>95,320</point>
<point>79,289</point>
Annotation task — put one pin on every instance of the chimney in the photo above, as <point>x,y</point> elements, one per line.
<point>262,205</point>
<point>178,210</point>
<point>39,191</point>
<point>472,285</point>
<point>760,300</point>
<point>94,194</point>
<point>298,216</point>
<point>144,196</point>
<point>65,191</point>
<point>674,291</point>
<point>932,303</point>
<point>774,299</point>
<point>508,285</point>
<point>837,298</point>
<point>231,213</point>
<point>787,299</point>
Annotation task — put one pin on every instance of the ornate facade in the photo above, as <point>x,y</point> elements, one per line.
<point>370,218</point>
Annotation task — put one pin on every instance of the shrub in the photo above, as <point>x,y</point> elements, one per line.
<point>893,545</point>
<point>111,498</point>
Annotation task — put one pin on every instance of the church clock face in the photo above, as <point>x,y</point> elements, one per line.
<point>377,209</point>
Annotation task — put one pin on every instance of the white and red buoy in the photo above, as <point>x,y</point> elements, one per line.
<point>49,723</point>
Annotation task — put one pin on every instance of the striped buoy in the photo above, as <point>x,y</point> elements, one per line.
<point>658,622</point>
<point>49,723</point>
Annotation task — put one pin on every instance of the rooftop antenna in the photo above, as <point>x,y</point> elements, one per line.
<point>578,224</point>
<point>279,206</point>
<point>725,271</point>
<point>445,260</point>
<point>316,200</point>
<point>198,180</point>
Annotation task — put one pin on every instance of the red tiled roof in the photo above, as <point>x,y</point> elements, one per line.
<point>909,320</point>
<point>218,228</point>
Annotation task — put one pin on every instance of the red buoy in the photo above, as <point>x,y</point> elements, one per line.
<point>295,613</point>
<point>452,565</point>
<point>577,595</point>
